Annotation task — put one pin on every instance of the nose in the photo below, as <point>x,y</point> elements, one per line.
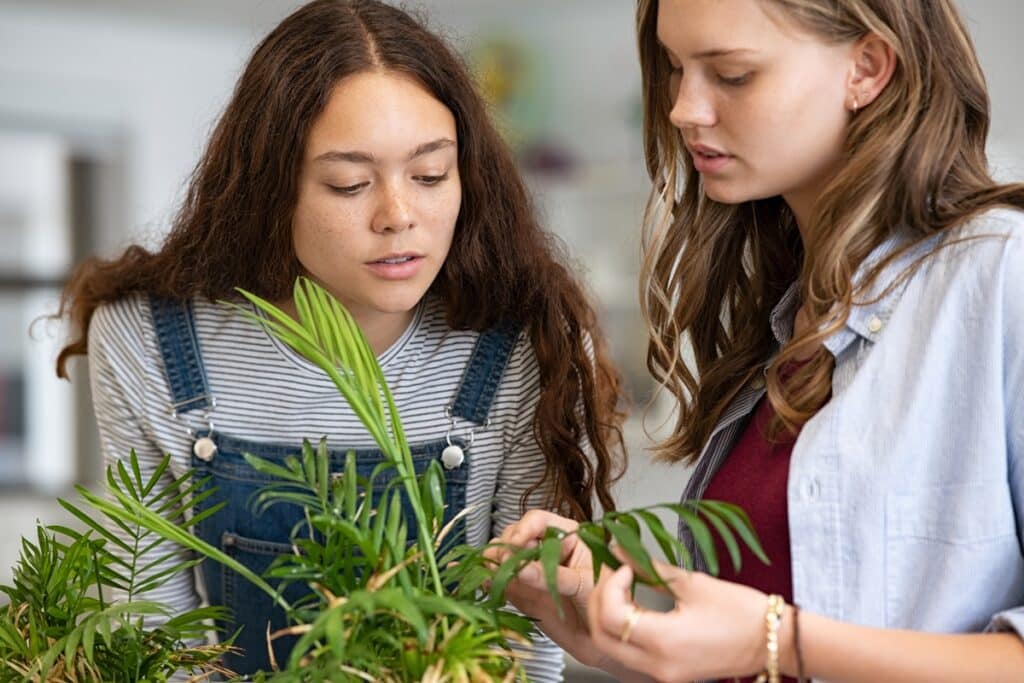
<point>692,106</point>
<point>394,213</point>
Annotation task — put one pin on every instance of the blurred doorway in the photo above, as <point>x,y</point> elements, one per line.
<point>50,193</point>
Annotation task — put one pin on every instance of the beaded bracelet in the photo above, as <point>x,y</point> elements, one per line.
<point>772,619</point>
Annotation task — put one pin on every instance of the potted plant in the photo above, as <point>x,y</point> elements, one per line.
<point>382,609</point>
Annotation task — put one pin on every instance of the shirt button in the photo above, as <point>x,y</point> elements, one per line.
<point>875,324</point>
<point>811,489</point>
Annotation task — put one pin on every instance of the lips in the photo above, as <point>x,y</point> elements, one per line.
<point>708,159</point>
<point>394,260</point>
<point>396,257</point>
<point>396,266</point>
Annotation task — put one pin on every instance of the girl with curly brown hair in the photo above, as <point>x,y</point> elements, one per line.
<point>356,151</point>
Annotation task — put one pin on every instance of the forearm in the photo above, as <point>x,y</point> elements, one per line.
<point>621,673</point>
<point>846,653</point>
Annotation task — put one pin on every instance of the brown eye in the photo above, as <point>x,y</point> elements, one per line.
<point>347,190</point>
<point>432,179</point>
<point>734,80</point>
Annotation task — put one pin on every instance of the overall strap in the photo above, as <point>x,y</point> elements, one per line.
<point>174,323</point>
<point>483,374</point>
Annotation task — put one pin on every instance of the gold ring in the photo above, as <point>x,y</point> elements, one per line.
<point>631,619</point>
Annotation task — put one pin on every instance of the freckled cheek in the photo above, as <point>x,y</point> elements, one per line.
<point>441,213</point>
<point>753,127</point>
<point>777,123</point>
<point>326,226</point>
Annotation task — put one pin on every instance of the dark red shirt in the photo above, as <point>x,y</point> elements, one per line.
<point>754,476</point>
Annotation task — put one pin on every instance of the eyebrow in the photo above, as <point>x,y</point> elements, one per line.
<point>722,52</point>
<point>713,52</point>
<point>367,158</point>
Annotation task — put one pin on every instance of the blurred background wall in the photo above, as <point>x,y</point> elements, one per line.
<point>105,106</point>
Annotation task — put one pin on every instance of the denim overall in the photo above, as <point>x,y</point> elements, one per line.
<point>255,540</point>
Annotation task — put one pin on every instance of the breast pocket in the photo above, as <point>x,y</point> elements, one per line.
<point>950,551</point>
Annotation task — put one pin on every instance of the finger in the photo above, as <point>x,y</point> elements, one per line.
<point>498,551</point>
<point>612,601</point>
<point>533,525</point>
<point>572,546</point>
<point>673,577</point>
<point>494,554</point>
<point>611,608</point>
<point>571,582</point>
<point>645,650</point>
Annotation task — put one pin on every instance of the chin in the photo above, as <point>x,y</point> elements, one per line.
<point>399,302</point>
<point>733,193</point>
<point>725,195</point>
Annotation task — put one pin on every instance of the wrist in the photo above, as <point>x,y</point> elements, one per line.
<point>787,644</point>
<point>776,645</point>
<point>621,672</point>
<point>752,662</point>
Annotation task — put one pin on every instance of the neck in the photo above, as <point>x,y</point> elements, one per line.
<point>801,204</point>
<point>380,329</point>
<point>803,200</point>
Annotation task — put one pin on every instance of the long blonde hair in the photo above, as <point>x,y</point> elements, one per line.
<point>712,272</point>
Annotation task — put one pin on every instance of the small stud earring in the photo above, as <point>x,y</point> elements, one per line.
<point>856,105</point>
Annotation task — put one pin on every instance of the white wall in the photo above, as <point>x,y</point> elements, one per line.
<point>108,73</point>
<point>996,26</point>
<point>98,76</point>
<point>160,83</point>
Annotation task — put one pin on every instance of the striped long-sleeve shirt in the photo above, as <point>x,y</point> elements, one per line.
<point>265,392</point>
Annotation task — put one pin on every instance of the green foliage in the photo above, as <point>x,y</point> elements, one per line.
<point>381,608</point>
<point>58,624</point>
<point>369,553</point>
<point>624,529</point>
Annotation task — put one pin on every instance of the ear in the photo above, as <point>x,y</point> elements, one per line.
<point>873,64</point>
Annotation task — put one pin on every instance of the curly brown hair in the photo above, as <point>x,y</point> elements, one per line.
<point>234,229</point>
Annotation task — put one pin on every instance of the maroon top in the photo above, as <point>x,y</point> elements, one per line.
<point>754,476</point>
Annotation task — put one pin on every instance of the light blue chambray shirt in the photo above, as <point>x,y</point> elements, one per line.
<point>906,491</point>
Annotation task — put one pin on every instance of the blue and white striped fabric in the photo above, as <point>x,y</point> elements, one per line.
<point>267,393</point>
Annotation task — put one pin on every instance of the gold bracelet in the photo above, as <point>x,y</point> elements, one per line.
<point>772,619</point>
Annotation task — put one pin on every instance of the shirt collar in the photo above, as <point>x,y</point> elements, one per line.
<point>866,319</point>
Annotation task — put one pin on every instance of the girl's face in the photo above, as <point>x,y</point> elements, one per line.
<point>379,195</point>
<point>761,103</point>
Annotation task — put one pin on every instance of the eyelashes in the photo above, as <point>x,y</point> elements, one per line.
<point>347,190</point>
<point>430,180</point>
<point>734,80</point>
<point>352,190</point>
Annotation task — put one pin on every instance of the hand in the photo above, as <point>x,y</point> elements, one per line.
<point>716,629</point>
<point>529,590</point>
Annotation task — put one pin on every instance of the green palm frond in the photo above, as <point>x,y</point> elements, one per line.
<point>327,335</point>
<point>382,608</point>
<point>58,624</point>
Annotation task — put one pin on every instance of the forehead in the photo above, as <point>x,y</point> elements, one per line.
<point>380,109</point>
<point>690,27</point>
